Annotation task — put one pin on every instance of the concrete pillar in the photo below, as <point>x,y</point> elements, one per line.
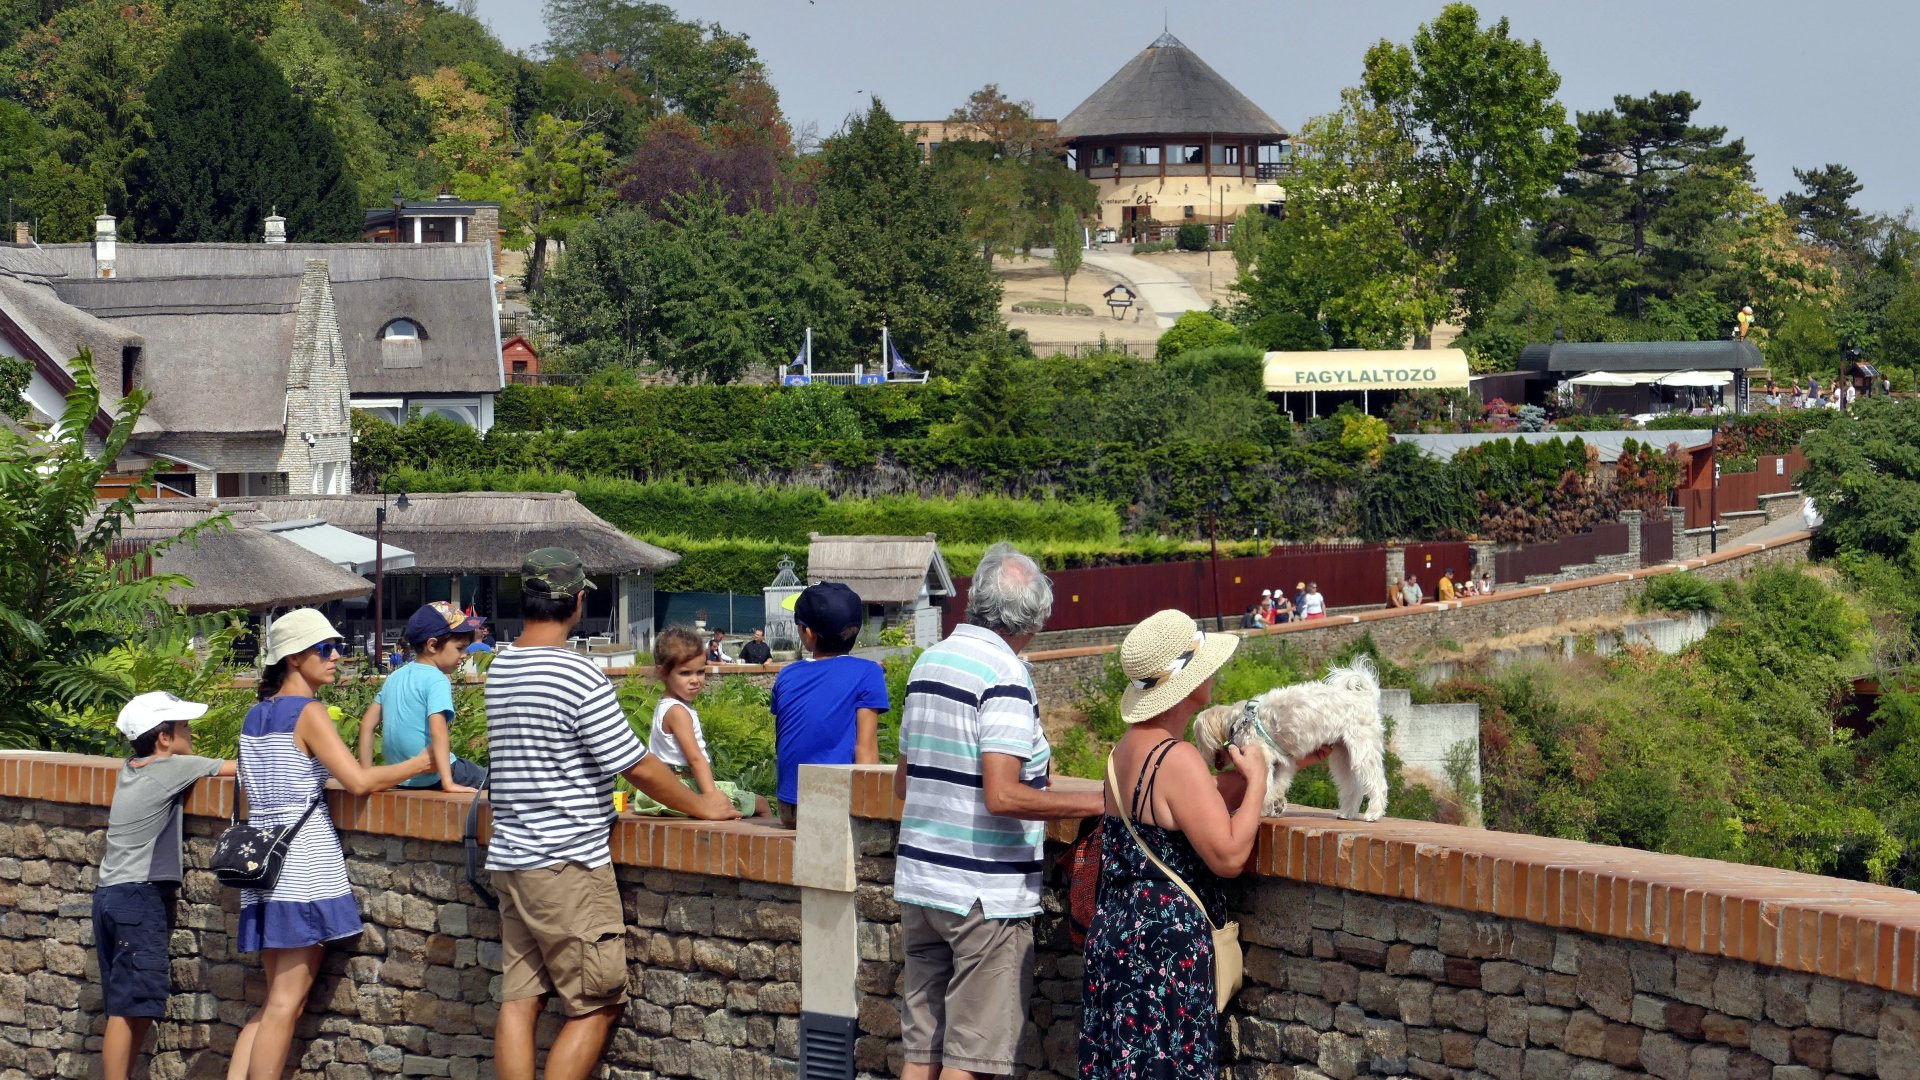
<point>1396,568</point>
<point>1633,521</point>
<point>823,868</point>
<point>1483,558</point>
<point>416,230</point>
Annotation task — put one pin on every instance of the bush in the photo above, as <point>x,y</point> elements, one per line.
<point>1193,236</point>
<point>1679,592</point>
<point>1195,330</point>
<point>809,414</point>
<point>1152,247</point>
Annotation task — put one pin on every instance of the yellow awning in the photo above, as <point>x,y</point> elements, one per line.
<point>1367,369</point>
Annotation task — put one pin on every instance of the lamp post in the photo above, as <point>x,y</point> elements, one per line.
<point>1713,493</point>
<point>380,568</point>
<point>399,204</point>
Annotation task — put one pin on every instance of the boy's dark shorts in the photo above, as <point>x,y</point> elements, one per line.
<point>131,925</point>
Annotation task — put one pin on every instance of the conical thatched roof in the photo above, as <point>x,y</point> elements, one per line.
<point>1167,90</point>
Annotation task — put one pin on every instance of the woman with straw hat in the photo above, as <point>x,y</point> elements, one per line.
<point>1148,1005</point>
<point>289,748</point>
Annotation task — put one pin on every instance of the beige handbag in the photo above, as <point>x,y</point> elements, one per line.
<point>1228,973</point>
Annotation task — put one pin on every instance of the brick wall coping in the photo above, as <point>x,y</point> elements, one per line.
<point>1506,595</point>
<point>731,849</point>
<point>1847,930</point>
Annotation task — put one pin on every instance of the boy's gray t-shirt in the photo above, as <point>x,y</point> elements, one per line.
<point>143,824</point>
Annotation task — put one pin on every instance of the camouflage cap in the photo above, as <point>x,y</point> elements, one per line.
<point>554,572</point>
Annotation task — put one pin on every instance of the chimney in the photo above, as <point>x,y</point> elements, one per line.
<point>276,227</point>
<point>22,233</point>
<point>104,236</point>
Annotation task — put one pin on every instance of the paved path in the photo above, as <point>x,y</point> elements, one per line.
<point>1773,530</point>
<point>1164,290</point>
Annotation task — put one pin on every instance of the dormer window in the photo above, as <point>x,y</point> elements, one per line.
<point>401,330</point>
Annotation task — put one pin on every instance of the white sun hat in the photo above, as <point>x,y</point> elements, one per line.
<point>148,711</point>
<point>1164,658</point>
<point>297,631</point>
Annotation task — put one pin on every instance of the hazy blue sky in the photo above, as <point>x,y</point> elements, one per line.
<point>1804,84</point>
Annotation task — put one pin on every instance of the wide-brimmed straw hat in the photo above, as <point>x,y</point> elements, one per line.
<point>1164,658</point>
<point>297,631</point>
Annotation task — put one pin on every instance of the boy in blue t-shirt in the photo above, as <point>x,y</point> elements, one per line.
<point>826,710</point>
<point>416,701</point>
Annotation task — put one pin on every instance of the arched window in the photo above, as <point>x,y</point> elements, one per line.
<point>402,330</point>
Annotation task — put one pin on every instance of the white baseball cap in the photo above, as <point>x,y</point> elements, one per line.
<point>148,711</point>
<point>1266,592</point>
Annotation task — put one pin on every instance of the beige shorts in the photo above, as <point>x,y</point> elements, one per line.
<point>968,981</point>
<point>562,932</point>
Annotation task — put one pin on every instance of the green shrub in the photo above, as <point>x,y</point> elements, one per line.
<point>1193,236</point>
<point>1152,247</point>
<point>1195,330</point>
<point>809,414</point>
<point>1679,592</point>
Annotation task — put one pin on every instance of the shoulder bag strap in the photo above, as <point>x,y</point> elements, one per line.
<point>1127,820</point>
<point>470,839</point>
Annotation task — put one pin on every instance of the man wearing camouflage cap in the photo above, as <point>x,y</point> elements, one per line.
<point>556,739</point>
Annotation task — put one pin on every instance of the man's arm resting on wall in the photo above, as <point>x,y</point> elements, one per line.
<point>1008,797</point>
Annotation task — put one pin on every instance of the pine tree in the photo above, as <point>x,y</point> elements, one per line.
<point>897,240</point>
<point>231,143</point>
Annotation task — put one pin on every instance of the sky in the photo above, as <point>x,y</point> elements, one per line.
<point>1804,84</point>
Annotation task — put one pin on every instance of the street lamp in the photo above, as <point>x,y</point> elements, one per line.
<point>1713,492</point>
<point>380,566</point>
<point>399,204</point>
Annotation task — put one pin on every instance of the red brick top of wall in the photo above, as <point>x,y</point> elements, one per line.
<point>733,849</point>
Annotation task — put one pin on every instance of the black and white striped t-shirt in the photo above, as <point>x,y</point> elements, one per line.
<point>556,738</point>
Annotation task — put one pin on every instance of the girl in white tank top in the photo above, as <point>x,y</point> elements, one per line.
<point>676,738</point>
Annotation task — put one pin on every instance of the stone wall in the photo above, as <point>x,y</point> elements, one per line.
<point>714,955</point>
<point>1508,957</point>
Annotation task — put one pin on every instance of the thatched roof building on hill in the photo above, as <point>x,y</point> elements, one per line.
<point>903,579</point>
<point>1169,140</point>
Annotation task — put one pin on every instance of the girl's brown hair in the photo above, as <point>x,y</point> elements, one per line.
<point>676,646</point>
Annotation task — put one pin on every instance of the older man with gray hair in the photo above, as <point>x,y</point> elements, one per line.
<point>973,775</point>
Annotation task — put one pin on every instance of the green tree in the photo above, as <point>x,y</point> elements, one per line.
<point>1067,253</point>
<point>66,599</point>
<point>1484,139</point>
<point>897,240</point>
<point>1824,213</point>
<point>556,185</point>
<point>1636,217</point>
<point>1195,330</point>
<point>1864,475</point>
<point>231,144</point>
<point>699,292</point>
<point>1007,174</point>
<point>689,67</point>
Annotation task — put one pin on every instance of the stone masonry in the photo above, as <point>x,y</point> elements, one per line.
<point>1342,984</point>
<point>715,970</point>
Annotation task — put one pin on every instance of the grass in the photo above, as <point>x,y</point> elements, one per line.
<point>1051,307</point>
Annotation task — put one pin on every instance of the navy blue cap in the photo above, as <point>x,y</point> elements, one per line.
<point>829,609</point>
<point>440,619</point>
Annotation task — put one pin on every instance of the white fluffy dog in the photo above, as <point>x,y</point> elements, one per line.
<point>1341,711</point>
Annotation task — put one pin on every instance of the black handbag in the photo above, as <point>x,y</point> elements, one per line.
<point>248,857</point>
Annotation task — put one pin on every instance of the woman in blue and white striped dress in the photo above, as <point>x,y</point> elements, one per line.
<point>289,748</point>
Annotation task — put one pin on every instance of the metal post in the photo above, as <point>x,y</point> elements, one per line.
<point>1713,492</point>
<point>379,580</point>
<point>1213,562</point>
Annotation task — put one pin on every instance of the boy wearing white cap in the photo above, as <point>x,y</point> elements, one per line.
<point>140,868</point>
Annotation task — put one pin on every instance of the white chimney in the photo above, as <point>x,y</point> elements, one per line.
<point>22,233</point>
<point>276,227</point>
<point>104,236</point>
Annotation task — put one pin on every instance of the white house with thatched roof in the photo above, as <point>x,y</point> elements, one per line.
<point>1169,140</point>
<point>246,371</point>
<point>467,547</point>
<point>902,579</point>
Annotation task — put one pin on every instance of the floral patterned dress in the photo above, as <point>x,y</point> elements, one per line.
<point>1147,1010</point>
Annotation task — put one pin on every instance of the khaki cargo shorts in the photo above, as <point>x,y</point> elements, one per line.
<point>969,980</point>
<point>562,932</point>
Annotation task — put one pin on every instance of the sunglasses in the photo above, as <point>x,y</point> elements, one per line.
<point>330,650</point>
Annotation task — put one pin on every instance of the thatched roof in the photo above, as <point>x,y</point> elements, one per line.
<point>482,532</point>
<point>882,569</point>
<point>445,289</point>
<point>28,299</point>
<point>239,566</point>
<point>199,333</point>
<point>1168,90</point>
